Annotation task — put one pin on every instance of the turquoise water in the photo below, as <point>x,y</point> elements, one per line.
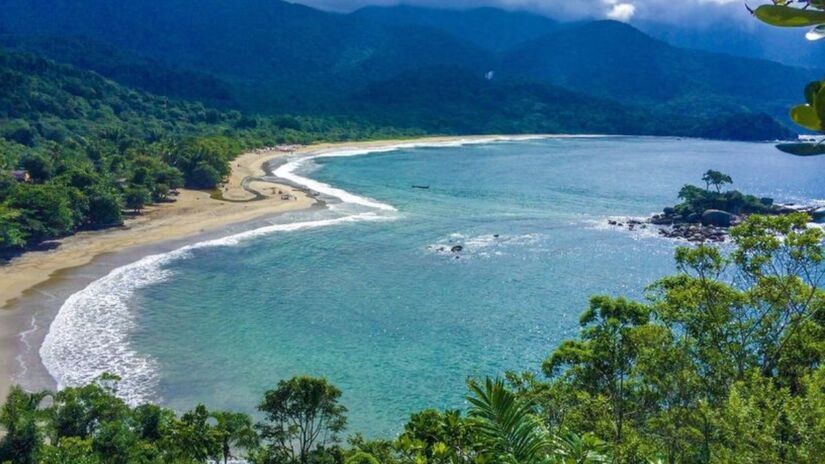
<point>399,325</point>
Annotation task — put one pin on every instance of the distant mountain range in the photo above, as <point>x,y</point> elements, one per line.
<point>752,39</point>
<point>439,70</point>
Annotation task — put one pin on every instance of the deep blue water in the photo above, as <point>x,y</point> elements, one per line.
<point>399,325</point>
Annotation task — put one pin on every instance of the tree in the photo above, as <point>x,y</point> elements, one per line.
<point>507,427</point>
<point>361,457</point>
<point>105,208</point>
<point>602,362</point>
<point>136,198</point>
<point>733,336</point>
<point>39,166</point>
<point>234,430</point>
<point>11,234</point>
<point>716,179</point>
<point>19,416</point>
<point>44,211</point>
<point>436,436</point>
<point>193,438</point>
<point>575,449</point>
<point>302,415</point>
<point>204,176</point>
<point>7,185</point>
<point>69,450</point>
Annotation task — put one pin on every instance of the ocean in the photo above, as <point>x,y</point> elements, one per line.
<point>368,291</point>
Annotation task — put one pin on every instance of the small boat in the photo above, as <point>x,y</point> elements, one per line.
<point>421,187</point>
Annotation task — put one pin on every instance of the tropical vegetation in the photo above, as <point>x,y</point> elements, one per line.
<point>696,200</point>
<point>720,362</point>
<point>96,151</point>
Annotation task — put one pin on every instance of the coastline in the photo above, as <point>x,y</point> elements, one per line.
<point>195,213</point>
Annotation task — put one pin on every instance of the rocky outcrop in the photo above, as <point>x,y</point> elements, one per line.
<point>712,225</point>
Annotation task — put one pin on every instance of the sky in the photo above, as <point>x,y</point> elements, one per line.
<point>622,10</point>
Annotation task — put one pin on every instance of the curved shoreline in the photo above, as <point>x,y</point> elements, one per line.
<point>176,222</point>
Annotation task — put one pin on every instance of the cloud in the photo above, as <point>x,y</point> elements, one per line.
<point>620,11</point>
<point>679,11</point>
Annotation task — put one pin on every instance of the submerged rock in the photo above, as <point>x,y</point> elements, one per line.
<point>456,248</point>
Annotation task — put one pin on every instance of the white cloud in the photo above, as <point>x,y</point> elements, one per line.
<point>620,11</point>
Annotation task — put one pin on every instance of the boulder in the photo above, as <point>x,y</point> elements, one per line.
<point>693,217</point>
<point>456,248</point>
<point>669,211</point>
<point>716,217</point>
<point>767,201</point>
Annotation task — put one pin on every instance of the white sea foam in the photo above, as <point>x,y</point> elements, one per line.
<point>637,233</point>
<point>288,170</point>
<point>89,335</point>
<point>484,245</point>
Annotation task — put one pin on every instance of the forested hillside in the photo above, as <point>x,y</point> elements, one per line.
<point>489,28</point>
<point>94,148</point>
<point>614,60</point>
<point>270,56</point>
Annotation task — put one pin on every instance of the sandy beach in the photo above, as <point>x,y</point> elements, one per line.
<point>243,198</point>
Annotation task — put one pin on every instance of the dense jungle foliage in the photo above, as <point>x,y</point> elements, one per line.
<point>95,149</point>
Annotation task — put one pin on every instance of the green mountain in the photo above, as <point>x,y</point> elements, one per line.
<point>615,60</point>
<point>489,28</point>
<point>270,56</point>
<point>277,54</point>
<point>93,147</point>
<point>127,68</point>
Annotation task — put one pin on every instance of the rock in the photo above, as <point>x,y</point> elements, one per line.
<point>716,217</point>
<point>693,217</point>
<point>767,201</point>
<point>697,238</point>
<point>456,248</point>
<point>612,222</point>
<point>669,211</point>
<point>661,220</point>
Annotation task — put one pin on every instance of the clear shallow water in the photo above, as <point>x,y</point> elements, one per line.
<point>375,306</point>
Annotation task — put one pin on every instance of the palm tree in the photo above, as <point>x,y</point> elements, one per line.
<point>234,430</point>
<point>575,449</point>
<point>507,426</point>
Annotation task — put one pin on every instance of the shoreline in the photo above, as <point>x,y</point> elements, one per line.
<point>243,199</point>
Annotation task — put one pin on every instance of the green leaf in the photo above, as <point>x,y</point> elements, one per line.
<point>802,148</point>
<point>805,116</point>
<point>819,104</point>
<point>811,90</point>
<point>785,16</point>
